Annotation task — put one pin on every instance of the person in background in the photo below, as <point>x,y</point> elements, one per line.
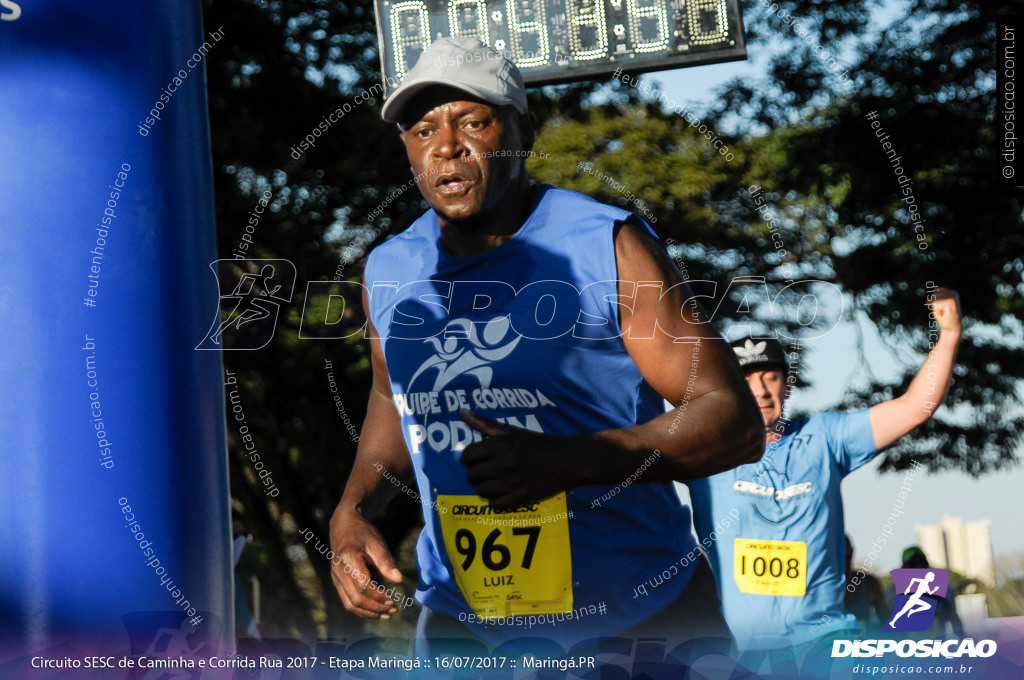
<point>864,597</point>
<point>781,573</point>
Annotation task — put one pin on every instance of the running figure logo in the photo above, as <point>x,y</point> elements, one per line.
<point>467,350</point>
<point>914,609</point>
<point>251,293</point>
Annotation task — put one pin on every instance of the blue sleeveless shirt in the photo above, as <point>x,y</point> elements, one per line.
<point>527,333</point>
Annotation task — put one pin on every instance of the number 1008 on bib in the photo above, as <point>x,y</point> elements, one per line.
<point>563,40</point>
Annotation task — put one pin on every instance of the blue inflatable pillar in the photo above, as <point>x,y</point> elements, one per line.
<point>114,516</point>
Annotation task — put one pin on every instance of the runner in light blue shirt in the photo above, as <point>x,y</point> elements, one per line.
<point>780,567</point>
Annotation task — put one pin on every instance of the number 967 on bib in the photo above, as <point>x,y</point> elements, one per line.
<point>509,563</point>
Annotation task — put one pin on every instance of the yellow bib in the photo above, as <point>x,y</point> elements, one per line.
<point>771,567</point>
<point>509,563</point>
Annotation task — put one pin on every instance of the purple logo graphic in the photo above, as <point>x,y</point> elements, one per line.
<point>917,591</point>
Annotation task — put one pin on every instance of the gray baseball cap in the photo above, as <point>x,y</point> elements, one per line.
<point>465,64</point>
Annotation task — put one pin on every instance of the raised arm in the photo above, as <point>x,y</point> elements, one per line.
<point>355,541</point>
<point>892,419</point>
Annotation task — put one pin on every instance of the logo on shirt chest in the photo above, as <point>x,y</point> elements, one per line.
<point>774,496</point>
<point>458,372</point>
<point>800,441</point>
<point>463,350</point>
<point>756,489</point>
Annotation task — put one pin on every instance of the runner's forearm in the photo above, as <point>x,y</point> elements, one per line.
<point>381,450</point>
<point>928,388</point>
<point>712,437</point>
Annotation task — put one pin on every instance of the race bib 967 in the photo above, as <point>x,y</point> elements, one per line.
<point>509,563</point>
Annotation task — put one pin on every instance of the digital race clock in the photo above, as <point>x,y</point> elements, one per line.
<point>562,40</point>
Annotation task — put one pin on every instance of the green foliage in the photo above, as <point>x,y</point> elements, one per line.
<point>1006,597</point>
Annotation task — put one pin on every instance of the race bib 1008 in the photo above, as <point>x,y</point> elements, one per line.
<point>771,567</point>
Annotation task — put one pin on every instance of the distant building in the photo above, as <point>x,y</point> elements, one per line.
<point>964,547</point>
<point>933,542</point>
<point>979,551</point>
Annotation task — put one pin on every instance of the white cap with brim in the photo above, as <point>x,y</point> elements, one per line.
<point>462,63</point>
